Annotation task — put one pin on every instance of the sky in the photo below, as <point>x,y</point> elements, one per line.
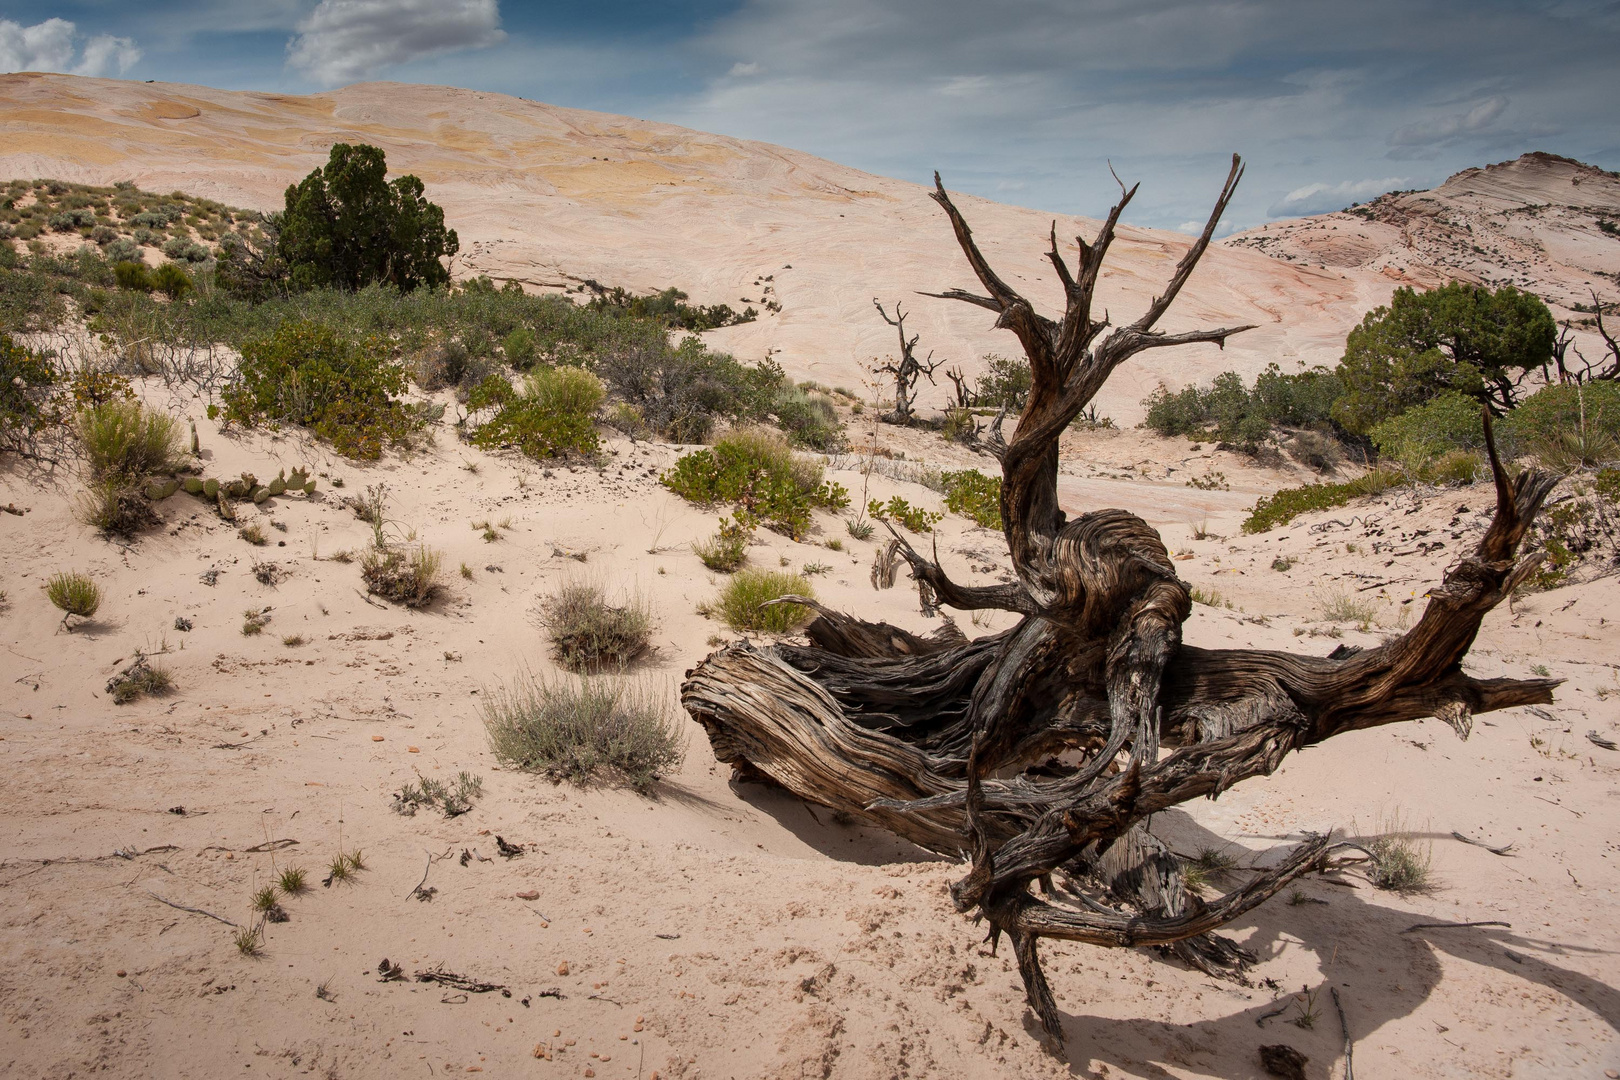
<point>1024,101</point>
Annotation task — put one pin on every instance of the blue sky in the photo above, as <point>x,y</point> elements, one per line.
<point>1025,101</point>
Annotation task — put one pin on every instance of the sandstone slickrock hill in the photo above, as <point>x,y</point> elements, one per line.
<point>1535,223</point>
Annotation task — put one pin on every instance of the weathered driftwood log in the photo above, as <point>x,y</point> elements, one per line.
<point>953,744</point>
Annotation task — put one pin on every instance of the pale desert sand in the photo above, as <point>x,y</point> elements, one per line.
<point>749,934</point>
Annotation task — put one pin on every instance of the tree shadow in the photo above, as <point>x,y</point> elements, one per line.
<point>1383,969</point>
<point>837,836</point>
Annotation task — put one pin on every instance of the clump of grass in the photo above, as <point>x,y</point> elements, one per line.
<point>466,571</point>
<point>727,549</point>
<point>254,621</point>
<point>264,899</point>
<point>1283,563</point>
<point>292,641</point>
<point>355,860</point>
<point>1207,597</point>
<point>253,534</point>
<point>1206,867</point>
<point>588,632</point>
<point>428,792</point>
<point>73,594</point>
<point>1340,606</point>
<point>125,442</point>
<point>858,528</point>
<point>293,881</point>
<point>338,870</point>
<point>405,577</point>
<point>1398,862</point>
<point>248,941</point>
<point>835,544</point>
<point>746,601</point>
<point>114,508</point>
<point>140,678</point>
<point>578,730</point>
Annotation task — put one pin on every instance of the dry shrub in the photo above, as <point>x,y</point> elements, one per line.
<point>405,577</point>
<point>124,442</point>
<point>74,594</point>
<point>580,729</point>
<point>588,632</point>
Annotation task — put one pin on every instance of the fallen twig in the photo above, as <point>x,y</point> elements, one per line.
<point>1454,925</point>
<point>271,845</point>
<point>1506,849</point>
<point>460,982</point>
<point>193,910</point>
<point>239,745</point>
<point>431,859</point>
<point>1598,740</point>
<point>1344,1026</point>
<point>1260,1021</point>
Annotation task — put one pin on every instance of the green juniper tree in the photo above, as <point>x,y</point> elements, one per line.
<point>347,226</point>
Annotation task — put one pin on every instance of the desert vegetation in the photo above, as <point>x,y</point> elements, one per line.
<point>583,730</point>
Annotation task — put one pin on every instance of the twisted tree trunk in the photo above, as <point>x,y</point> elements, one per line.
<point>950,743</point>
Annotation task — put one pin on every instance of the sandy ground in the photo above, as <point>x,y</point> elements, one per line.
<point>721,929</point>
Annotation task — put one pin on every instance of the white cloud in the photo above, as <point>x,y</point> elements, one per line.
<point>49,46</point>
<point>965,85</point>
<point>741,70</point>
<point>345,40</point>
<point>1437,132</point>
<point>1319,198</point>
<point>105,54</point>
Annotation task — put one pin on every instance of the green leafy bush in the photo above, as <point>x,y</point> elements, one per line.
<point>1005,383</point>
<point>1461,338</point>
<point>743,601</point>
<point>519,348</point>
<point>1284,506</point>
<point>668,307</point>
<point>808,419</point>
<point>27,382</point>
<point>344,389</point>
<point>756,470</point>
<point>1228,412</point>
<point>577,731</point>
<point>681,392</point>
<point>898,509</point>
<point>553,416</point>
<point>1566,426</point>
<point>973,494</point>
<point>134,275</point>
<point>172,281</point>
<point>1446,422</point>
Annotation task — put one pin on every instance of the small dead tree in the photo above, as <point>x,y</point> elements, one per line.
<point>951,743</point>
<point>1606,369</point>
<point>906,370</point>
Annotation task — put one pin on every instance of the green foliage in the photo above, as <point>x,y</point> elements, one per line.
<point>27,382</point>
<point>74,593</point>
<point>293,880</point>
<point>756,470</point>
<point>347,227</point>
<point>125,443</point>
<point>519,348</point>
<point>172,281</point>
<point>1400,863</point>
<point>973,494</point>
<point>553,416</point>
<point>580,730</point>
<point>1229,412</point>
<point>727,549</point>
<point>807,418</point>
<point>1461,338</point>
<point>1446,422</point>
<point>451,800</point>
<point>588,632</point>
<point>405,577</point>
<point>1584,527</point>
<point>133,275</point>
<point>1566,426</point>
<point>1005,383</point>
<point>898,509</point>
<point>1284,506</point>
<point>342,388</point>
<point>680,392</point>
<point>668,308</point>
<point>743,601</point>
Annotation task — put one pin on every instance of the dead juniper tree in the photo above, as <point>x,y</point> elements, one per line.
<point>952,744</point>
<point>906,370</point>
